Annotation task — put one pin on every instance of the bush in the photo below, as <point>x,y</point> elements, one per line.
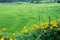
<point>46,31</point>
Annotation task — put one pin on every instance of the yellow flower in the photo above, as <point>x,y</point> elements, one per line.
<point>51,23</point>
<point>55,24</point>
<point>35,26</point>
<point>58,29</point>
<point>2,38</point>
<point>11,38</point>
<point>46,26</point>
<point>51,28</point>
<point>4,29</point>
<point>14,34</point>
<point>44,31</point>
<point>24,27</point>
<point>32,28</point>
<point>24,30</point>
<point>42,27</point>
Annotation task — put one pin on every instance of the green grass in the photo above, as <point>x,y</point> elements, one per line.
<point>16,16</point>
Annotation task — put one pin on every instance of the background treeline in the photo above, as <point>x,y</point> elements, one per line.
<point>31,1</point>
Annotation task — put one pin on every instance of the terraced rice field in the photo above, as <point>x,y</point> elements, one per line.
<point>15,16</point>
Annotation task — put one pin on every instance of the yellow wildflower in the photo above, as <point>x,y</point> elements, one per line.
<point>51,28</point>
<point>55,24</point>
<point>2,38</point>
<point>44,31</point>
<point>42,27</point>
<point>32,28</point>
<point>35,26</point>
<point>25,27</point>
<point>4,29</point>
<point>24,30</point>
<point>46,26</point>
<point>14,34</point>
<point>11,38</point>
<point>51,23</point>
<point>58,29</point>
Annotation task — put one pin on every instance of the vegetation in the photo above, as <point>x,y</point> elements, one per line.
<point>45,31</point>
<point>30,21</point>
<point>31,1</point>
